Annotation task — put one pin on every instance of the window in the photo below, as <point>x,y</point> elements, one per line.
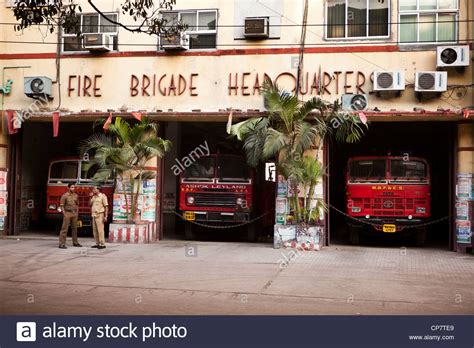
<point>203,168</point>
<point>202,27</point>
<point>366,169</point>
<point>407,169</point>
<point>428,21</point>
<point>357,19</point>
<point>91,23</point>
<point>66,170</point>
<point>231,168</point>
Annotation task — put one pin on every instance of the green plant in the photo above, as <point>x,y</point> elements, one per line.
<point>291,128</point>
<point>123,153</point>
<point>306,174</point>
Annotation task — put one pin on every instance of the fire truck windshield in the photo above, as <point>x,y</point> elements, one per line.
<point>64,171</point>
<point>367,169</point>
<point>232,168</point>
<point>203,168</point>
<point>407,169</point>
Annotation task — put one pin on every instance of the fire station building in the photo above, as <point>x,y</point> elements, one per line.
<point>406,65</point>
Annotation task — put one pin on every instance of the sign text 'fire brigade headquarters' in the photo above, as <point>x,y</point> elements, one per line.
<point>238,84</point>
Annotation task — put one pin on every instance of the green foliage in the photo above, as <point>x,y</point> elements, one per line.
<point>64,14</point>
<point>124,153</point>
<point>291,128</point>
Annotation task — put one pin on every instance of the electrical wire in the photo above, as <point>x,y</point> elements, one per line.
<point>294,24</point>
<point>331,43</point>
<point>327,43</point>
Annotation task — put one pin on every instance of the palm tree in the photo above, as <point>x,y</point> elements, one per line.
<point>291,128</point>
<point>124,153</point>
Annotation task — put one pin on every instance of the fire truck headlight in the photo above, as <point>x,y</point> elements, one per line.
<point>367,216</point>
<point>356,209</point>
<point>410,217</point>
<point>420,210</point>
<point>239,201</point>
<point>52,207</point>
<point>190,200</point>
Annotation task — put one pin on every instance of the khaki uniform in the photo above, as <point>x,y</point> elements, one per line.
<point>98,204</point>
<point>70,205</point>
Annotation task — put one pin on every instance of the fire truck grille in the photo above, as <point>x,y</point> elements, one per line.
<point>84,207</point>
<point>216,200</point>
<point>388,206</point>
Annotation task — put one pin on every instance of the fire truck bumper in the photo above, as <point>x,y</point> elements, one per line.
<point>387,224</point>
<point>213,216</point>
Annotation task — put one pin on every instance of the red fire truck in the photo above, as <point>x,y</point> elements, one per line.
<point>69,170</point>
<point>217,189</point>
<point>389,192</point>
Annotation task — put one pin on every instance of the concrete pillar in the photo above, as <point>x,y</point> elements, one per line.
<point>464,180</point>
<point>170,182</point>
<point>3,180</point>
<point>466,148</point>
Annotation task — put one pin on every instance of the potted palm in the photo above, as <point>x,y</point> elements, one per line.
<point>292,133</point>
<point>123,155</point>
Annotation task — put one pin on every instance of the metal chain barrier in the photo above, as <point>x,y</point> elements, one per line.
<point>223,227</point>
<point>374,224</point>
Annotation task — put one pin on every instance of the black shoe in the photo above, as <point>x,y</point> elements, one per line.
<point>77,245</point>
<point>101,247</point>
<point>95,246</point>
<point>62,246</point>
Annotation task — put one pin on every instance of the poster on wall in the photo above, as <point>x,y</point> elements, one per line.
<point>281,210</point>
<point>149,187</point>
<point>3,180</point>
<point>462,210</point>
<point>3,203</point>
<point>120,207</point>
<point>464,186</point>
<point>282,190</point>
<point>148,212</point>
<point>463,232</point>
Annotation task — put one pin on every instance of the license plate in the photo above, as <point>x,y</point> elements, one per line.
<point>189,215</point>
<point>79,223</point>
<point>389,228</point>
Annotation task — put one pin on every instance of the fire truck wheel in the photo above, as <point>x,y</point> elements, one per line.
<point>252,233</point>
<point>420,237</point>
<point>188,231</point>
<point>354,235</point>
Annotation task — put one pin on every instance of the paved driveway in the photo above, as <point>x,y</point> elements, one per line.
<point>178,277</point>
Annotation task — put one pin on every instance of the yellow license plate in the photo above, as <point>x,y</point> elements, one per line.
<point>79,223</point>
<point>189,215</point>
<point>388,228</point>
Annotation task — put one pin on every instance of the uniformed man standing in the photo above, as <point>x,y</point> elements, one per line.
<point>69,207</point>
<point>99,211</point>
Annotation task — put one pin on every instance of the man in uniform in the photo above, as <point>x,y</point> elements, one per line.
<point>99,211</point>
<point>69,206</point>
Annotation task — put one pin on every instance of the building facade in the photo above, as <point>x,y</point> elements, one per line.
<point>218,67</point>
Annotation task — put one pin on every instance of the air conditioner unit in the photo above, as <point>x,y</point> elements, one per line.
<point>38,87</point>
<point>97,42</point>
<point>431,81</point>
<point>447,56</point>
<point>354,102</point>
<point>179,41</point>
<point>389,80</point>
<point>256,28</point>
